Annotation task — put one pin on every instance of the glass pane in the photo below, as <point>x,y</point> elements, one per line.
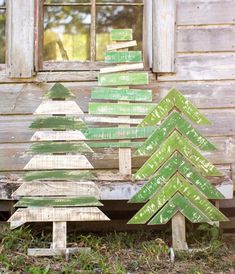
<point>119,1</point>
<point>2,3</point>
<point>2,36</point>
<point>66,33</point>
<point>111,17</point>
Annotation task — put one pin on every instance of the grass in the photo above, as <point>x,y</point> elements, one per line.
<point>122,252</point>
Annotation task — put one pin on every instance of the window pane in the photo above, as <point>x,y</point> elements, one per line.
<point>2,36</point>
<point>111,17</point>
<point>119,1</point>
<point>66,1</point>
<point>2,3</point>
<point>67,33</point>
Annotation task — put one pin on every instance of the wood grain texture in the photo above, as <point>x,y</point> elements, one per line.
<point>59,235</point>
<point>205,12</point>
<point>20,38</point>
<point>123,57</point>
<point>121,45</point>
<point>51,162</point>
<point>201,67</point>
<point>58,215</point>
<point>120,68</point>
<point>58,107</point>
<point>47,252</point>
<point>58,136</point>
<point>121,34</point>
<point>57,189</point>
<point>137,109</point>
<point>102,93</point>
<point>164,20</point>
<point>179,232</point>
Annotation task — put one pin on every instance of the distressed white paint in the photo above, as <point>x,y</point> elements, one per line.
<point>122,68</point>
<point>75,135</point>
<point>121,45</point>
<point>58,107</point>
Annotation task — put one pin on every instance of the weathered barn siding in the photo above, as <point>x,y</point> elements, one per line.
<point>204,72</point>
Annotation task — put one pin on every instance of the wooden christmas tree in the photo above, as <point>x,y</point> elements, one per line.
<point>176,170</point>
<point>53,192</point>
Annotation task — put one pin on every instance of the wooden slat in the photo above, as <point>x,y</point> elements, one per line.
<point>117,133</point>
<point>58,136</point>
<point>47,162</point>
<point>57,202</point>
<point>46,252</point>
<point>120,109</point>
<point>58,91</point>
<point>111,120</point>
<point>59,147</point>
<point>123,144</point>
<point>58,107</point>
<point>179,232</point>
<point>58,215</point>
<point>58,123</point>
<point>205,12</point>
<point>20,30</point>
<point>123,79</point>
<point>164,20</point>
<point>63,189</point>
<point>121,45</point>
<point>119,68</point>
<point>223,67</point>
<point>102,93</point>
<point>123,57</point>
<point>205,38</point>
<point>121,34</point>
<point>59,235</point>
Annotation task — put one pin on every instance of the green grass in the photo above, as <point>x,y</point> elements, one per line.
<point>116,252</point>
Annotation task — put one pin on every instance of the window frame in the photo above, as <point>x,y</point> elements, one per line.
<point>92,65</point>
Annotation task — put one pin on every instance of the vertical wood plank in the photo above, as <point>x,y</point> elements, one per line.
<point>164,21</point>
<point>93,31</point>
<point>179,232</point>
<point>59,235</point>
<point>20,38</point>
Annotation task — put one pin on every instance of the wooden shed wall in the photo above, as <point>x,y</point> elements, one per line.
<point>205,73</point>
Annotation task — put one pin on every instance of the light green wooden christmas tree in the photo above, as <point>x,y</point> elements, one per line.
<point>176,170</point>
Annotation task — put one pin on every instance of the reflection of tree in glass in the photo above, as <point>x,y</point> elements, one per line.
<point>66,27</point>
<point>114,17</point>
<point>2,36</point>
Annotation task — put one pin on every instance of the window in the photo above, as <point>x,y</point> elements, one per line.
<point>2,31</point>
<point>79,30</point>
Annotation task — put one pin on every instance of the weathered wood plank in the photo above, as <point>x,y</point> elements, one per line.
<point>123,57</point>
<point>123,79</point>
<point>58,136</point>
<point>58,91</point>
<point>62,189</point>
<point>20,38</point>
<point>58,215</point>
<point>121,34</point>
<point>57,202</point>
<point>205,38</point>
<point>164,20</point>
<point>120,68</point>
<point>102,93</point>
<point>200,67</point>
<point>136,109</point>
<point>205,12</point>
<point>47,162</point>
<point>58,123</point>
<point>46,252</point>
<point>123,144</point>
<point>59,147</point>
<point>58,107</point>
<point>117,133</point>
<point>121,45</point>
<point>59,235</point>
<point>179,232</point>
<point>59,175</point>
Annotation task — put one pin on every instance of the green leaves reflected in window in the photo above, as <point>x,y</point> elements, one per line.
<point>2,31</point>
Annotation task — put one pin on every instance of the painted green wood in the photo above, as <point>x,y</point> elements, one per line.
<point>123,79</point>
<point>57,202</point>
<point>123,57</point>
<point>182,204</point>
<point>102,93</point>
<point>174,99</point>
<point>58,91</point>
<point>177,183</point>
<point>137,109</point>
<point>176,142</point>
<point>121,34</point>
<point>58,175</point>
<point>59,147</point>
<point>117,133</point>
<point>58,122</point>
<point>174,121</point>
<point>115,144</point>
<point>176,163</point>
